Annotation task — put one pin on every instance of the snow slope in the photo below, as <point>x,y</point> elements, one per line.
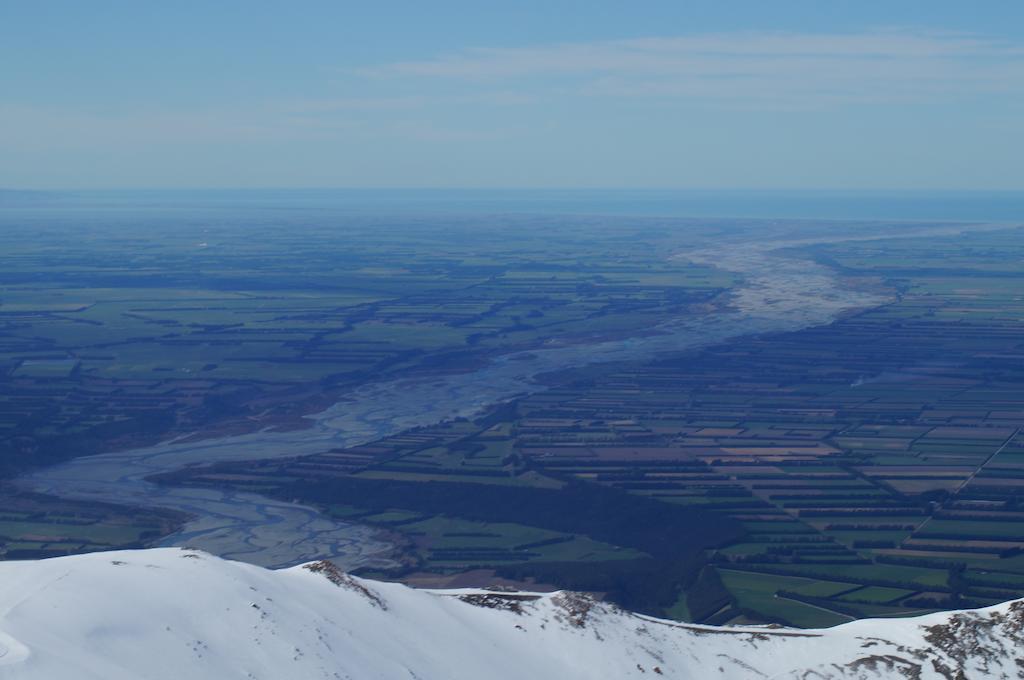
<point>170,613</point>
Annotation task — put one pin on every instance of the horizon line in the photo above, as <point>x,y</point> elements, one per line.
<point>511,189</point>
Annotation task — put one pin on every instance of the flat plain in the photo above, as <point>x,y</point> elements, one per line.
<point>124,330</point>
<point>875,464</point>
<point>872,466</point>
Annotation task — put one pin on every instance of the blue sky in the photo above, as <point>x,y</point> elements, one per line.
<point>780,94</point>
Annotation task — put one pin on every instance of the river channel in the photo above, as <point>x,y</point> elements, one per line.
<point>779,293</point>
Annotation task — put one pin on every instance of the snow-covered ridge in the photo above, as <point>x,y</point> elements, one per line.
<point>170,613</point>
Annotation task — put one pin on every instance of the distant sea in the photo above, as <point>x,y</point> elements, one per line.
<point>847,205</point>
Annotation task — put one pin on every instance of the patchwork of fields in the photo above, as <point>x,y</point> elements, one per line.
<point>876,464</point>
<point>120,332</point>
<point>34,525</point>
<point>114,334</point>
<point>870,467</point>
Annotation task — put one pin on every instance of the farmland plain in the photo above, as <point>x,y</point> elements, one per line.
<point>874,463</point>
<point>841,457</point>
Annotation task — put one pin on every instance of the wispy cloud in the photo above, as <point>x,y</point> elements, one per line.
<point>32,129</point>
<point>406,102</point>
<point>35,127</point>
<point>815,69</point>
<point>494,93</point>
